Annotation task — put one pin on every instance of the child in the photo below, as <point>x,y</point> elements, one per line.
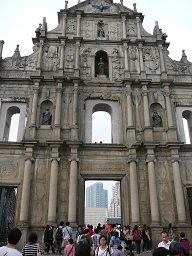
<point>70,249</point>
<point>185,243</point>
<point>13,238</point>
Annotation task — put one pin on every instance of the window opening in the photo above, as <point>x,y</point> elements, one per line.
<point>14,127</point>
<point>101,127</point>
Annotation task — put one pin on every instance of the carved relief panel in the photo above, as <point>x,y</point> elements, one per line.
<point>117,65</point>
<point>71,26</point>
<point>86,64</point>
<point>151,60</point>
<point>131,29</point>
<point>50,58</point>
<point>69,57</point>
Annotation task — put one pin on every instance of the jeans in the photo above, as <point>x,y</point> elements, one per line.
<point>137,245</point>
<point>58,247</point>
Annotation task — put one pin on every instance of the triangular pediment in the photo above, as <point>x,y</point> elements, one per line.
<point>100,7</point>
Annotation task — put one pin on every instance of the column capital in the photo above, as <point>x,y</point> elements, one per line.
<point>73,159</point>
<point>36,79</point>
<point>55,158</point>
<point>30,159</point>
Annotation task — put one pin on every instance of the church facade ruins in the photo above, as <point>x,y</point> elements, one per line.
<point>98,58</point>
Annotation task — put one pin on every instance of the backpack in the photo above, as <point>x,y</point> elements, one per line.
<point>137,235</point>
<point>185,243</point>
<point>59,234</point>
<point>82,247</point>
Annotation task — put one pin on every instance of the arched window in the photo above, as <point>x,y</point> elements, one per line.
<point>11,124</point>
<point>187,115</point>
<point>101,127</point>
<point>14,127</point>
<point>101,123</point>
<point>101,64</point>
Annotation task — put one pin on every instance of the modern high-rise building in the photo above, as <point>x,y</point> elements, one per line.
<point>115,204</point>
<point>96,196</point>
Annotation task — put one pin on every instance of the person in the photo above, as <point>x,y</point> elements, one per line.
<point>146,238</point>
<point>137,238</point>
<point>185,243</point>
<point>170,232</point>
<point>103,231</point>
<point>157,120</point>
<point>95,239</point>
<point>103,248</point>
<point>52,239</point>
<point>115,240</point>
<point>118,251</point>
<point>82,246</point>
<point>101,67</point>
<point>161,251</point>
<point>176,249</point>
<point>108,228</point>
<point>78,231</point>
<point>46,239</point>
<point>70,248</point>
<point>32,247</point>
<point>59,237</point>
<point>165,240</point>
<point>14,235</point>
<point>46,117</point>
<point>67,232</point>
<point>129,239</point>
<point>99,228</point>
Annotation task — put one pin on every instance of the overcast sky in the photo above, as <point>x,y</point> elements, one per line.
<point>19,20</point>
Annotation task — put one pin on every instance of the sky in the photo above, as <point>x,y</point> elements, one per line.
<point>19,20</point>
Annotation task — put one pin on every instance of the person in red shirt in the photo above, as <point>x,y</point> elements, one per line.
<point>108,228</point>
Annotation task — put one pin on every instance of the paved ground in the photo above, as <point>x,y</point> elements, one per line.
<point>125,253</point>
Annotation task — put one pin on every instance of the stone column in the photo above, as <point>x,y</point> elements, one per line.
<point>161,58</point>
<point>72,210</point>
<point>64,23</point>
<point>53,188</point>
<point>57,120</point>
<point>33,124</point>
<point>126,56</point>
<point>129,106</point>
<point>168,106</point>
<point>124,27</point>
<point>74,129</point>
<point>134,188</point>
<point>78,25</point>
<point>155,218</point>
<point>138,28</point>
<point>146,106</point>
<point>141,58</point>
<point>179,195</point>
<point>40,55</point>
<point>1,48</point>
<point>25,197</point>
<point>62,47</point>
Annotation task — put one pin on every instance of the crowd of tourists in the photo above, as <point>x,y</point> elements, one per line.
<point>103,240</point>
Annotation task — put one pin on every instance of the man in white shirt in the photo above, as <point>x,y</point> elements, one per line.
<point>165,240</point>
<point>67,232</point>
<point>13,238</point>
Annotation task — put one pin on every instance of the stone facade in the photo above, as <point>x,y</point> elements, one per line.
<point>99,58</point>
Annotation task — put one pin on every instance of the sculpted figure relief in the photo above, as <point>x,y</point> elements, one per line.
<point>157,120</point>
<point>101,70</point>
<point>47,117</point>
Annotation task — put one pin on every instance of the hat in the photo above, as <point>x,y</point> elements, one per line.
<point>176,248</point>
<point>119,247</point>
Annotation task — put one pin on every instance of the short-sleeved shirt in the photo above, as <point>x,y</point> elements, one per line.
<point>99,252</point>
<point>166,246</point>
<point>68,249</point>
<point>4,250</point>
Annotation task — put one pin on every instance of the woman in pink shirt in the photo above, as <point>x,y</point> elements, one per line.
<point>70,248</point>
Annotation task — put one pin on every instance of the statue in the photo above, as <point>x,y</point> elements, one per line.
<point>47,117</point>
<point>157,120</point>
<point>101,32</point>
<point>101,67</point>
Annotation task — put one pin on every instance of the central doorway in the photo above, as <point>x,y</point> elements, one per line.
<point>102,202</point>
